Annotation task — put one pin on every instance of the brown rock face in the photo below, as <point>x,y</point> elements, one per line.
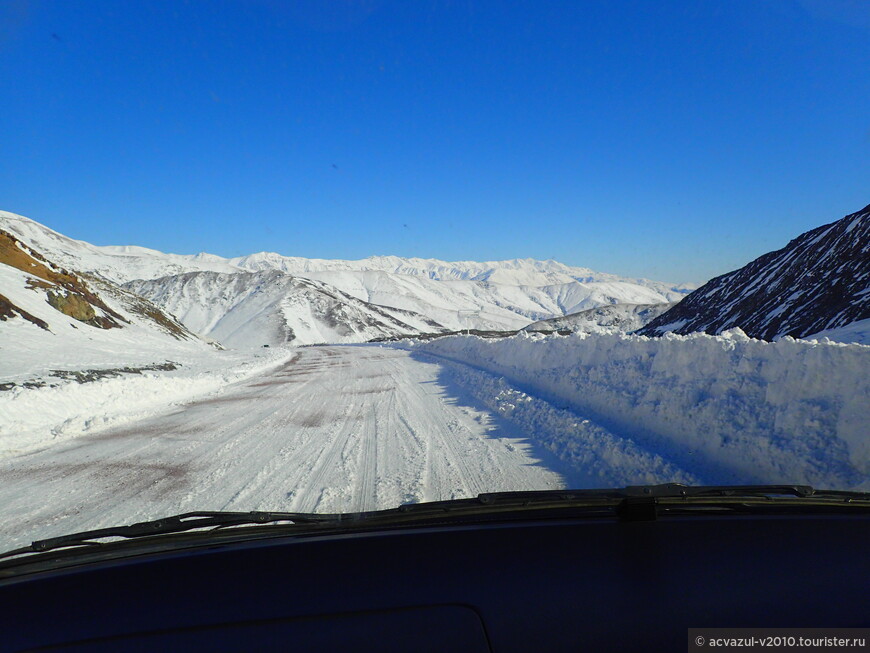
<point>76,306</point>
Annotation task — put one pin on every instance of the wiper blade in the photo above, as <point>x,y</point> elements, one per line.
<point>174,524</point>
<point>645,502</point>
<point>674,490</point>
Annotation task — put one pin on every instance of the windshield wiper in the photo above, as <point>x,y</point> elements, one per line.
<point>675,490</point>
<point>174,524</point>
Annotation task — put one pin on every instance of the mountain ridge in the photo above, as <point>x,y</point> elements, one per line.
<point>425,295</point>
<point>550,271</point>
<point>251,309</point>
<point>819,281</point>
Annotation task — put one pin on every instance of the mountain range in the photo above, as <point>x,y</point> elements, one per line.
<point>818,283</point>
<point>270,299</point>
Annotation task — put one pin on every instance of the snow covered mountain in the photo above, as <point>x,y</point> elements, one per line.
<point>613,318</point>
<point>251,309</point>
<point>122,264</point>
<point>482,295</point>
<point>417,294</point>
<point>460,304</point>
<point>819,281</point>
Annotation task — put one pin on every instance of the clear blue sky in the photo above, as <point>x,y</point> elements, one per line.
<point>672,140</point>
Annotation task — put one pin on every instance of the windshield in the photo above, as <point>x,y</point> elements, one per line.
<point>342,256</point>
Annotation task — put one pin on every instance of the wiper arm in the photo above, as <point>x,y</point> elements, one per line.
<point>174,524</point>
<point>668,490</point>
<point>642,502</point>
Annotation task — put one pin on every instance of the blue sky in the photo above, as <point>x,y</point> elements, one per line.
<point>671,140</point>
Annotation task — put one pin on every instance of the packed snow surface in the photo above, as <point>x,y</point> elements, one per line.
<point>332,429</point>
<point>54,409</point>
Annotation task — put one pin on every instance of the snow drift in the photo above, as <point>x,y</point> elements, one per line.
<point>36,417</point>
<point>729,408</point>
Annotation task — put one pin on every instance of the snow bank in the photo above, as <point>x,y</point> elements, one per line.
<point>591,455</point>
<point>728,408</point>
<point>37,417</point>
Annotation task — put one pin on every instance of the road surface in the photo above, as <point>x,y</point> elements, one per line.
<point>336,429</point>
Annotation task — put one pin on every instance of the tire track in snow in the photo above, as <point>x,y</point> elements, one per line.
<point>446,451</point>
<point>365,490</point>
<point>338,429</point>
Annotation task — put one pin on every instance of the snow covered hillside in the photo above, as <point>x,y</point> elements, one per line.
<point>248,309</point>
<point>495,295</point>
<point>819,281</point>
<point>54,318</point>
<point>856,332</point>
<point>613,318</point>
<point>116,264</point>
<point>727,408</point>
<point>488,295</point>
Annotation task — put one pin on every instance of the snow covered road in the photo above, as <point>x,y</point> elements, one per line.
<point>335,429</point>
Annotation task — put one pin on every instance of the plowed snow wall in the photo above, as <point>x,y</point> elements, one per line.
<point>743,410</point>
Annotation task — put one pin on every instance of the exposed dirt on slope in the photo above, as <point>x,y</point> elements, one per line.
<point>66,291</point>
<point>8,310</point>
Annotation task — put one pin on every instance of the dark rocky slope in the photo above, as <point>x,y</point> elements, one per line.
<point>820,280</point>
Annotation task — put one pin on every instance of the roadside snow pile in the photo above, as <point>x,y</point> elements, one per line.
<point>37,416</point>
<point>727,409</point>
<point>591,455</point>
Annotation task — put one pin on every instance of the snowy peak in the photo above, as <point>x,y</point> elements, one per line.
<point>423,294</point>
<point>819,281</point>
<point>486,295</point>
<point>128,262</point>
